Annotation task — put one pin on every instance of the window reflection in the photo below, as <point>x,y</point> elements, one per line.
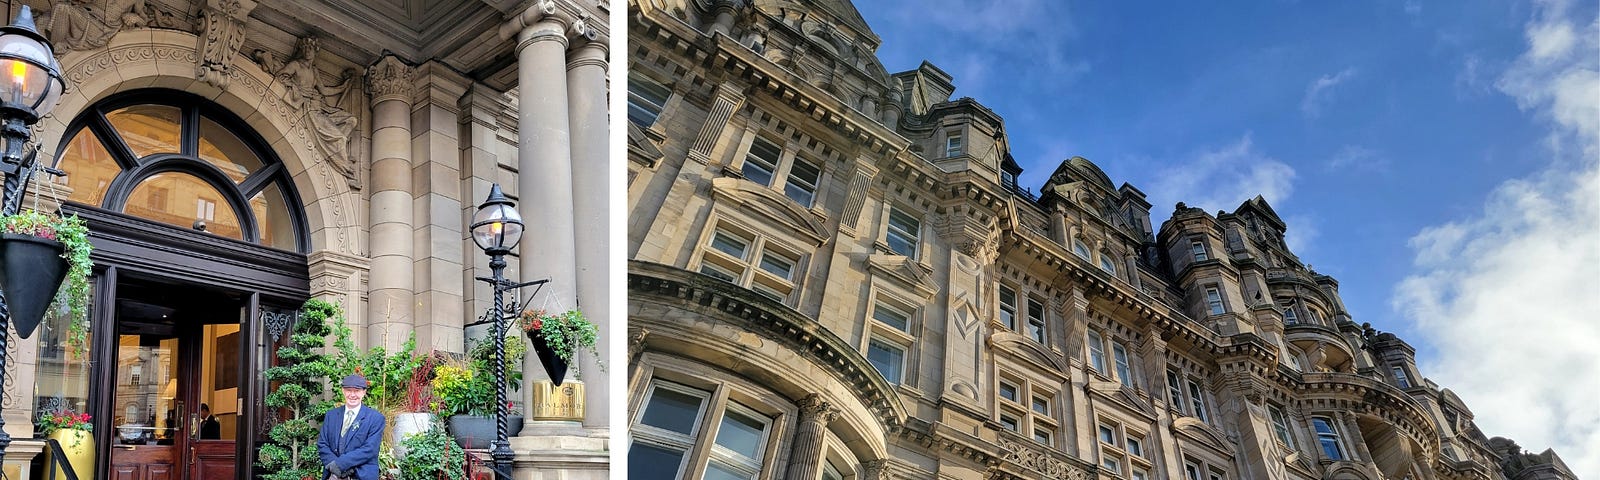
<point>179,199</point>
<point>222,148</point>
<point>148,129</point>
<point>89,166</point>
<point>272,218</point>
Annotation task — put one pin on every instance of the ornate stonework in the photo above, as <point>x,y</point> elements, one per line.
<point>325,111</point>
<point>1040,462</point>
<point>221,34</point>
<point>85,25</point>
<point>390,78</point>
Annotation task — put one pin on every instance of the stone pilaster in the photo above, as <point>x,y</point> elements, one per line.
<point>805,458</point>
<point>728,99</point>
<point>856,197</point>
<point>438,222</point>
<point>544,173</point>
<point>390,286</point>
<point>591,180</point>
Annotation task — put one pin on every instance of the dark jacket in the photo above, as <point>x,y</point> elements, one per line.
<point>355,453</point>
<point>210,429</point>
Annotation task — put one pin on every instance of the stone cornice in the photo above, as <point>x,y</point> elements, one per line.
<point>778,322</point>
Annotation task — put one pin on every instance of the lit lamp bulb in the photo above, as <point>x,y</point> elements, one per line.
<point>19,80</point>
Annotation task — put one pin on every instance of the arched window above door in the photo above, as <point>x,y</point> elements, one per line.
<point>176,158</point>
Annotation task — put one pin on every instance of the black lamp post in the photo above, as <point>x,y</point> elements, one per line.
<point>496,228</point>
<point>30,86</point>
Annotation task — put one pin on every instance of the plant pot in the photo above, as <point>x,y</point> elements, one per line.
<point>38,269</point>
<point>78,446</point>
<point>475,432</point>
<point>553,364</point>
<point>407,424</point>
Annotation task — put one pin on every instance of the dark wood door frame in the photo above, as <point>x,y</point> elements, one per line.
<point>127,246</point>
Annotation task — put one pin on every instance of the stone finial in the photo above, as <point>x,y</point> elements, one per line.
<point>390,79</point>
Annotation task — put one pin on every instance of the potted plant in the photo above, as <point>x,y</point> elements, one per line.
<point>465,391</point>
<point>76,435</point>
<point>431,455</point>
<point>556,336</point>
<point>38,251</point>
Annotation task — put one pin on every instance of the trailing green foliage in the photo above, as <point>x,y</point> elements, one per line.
<point>73,233</point>
<point>301,376</point>
<point>466,387</point>
<point>564,332</point>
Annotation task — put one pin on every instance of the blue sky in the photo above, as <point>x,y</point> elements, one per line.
<point>1425,153</point>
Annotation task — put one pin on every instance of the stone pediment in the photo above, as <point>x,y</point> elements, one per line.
<point>906,271</point>
<point>757,200</point>
<point>1028,350</point>
<point>1202,433</point>
<point>1122,395</point>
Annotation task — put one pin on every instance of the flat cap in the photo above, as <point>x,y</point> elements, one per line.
<point>355,380</point>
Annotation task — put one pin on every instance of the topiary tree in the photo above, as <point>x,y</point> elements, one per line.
<point>302,374</point>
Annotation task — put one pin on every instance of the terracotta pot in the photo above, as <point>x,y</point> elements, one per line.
<point>31,270</point>
<point>78,446</point>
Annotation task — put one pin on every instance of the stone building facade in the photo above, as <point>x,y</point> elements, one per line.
<point>236,157</point>
<point>833,274</point>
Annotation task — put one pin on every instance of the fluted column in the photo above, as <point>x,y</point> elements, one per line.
<point>805,459</point>
<point>544,173</point>
<point>591,181</point>
<point>390,281</point>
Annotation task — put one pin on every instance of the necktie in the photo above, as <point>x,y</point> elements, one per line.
<point>349,420</point>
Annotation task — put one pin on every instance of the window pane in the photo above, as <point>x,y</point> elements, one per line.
<point>1214,301</point>
<point>1175,390</point>
<point>741,434</point>
<point>1035,320</point>
<point>645,101</point>
<point>89,166</point>
<point>777,265</point>
<point>663,462</point>
<point>672,410</point>
<point>1120,355</point>
<point>903,230</point>
<point>1108,435</point>
<point>718,272</point>
<point>1008,307</point>
<point>1135,448</point>
<point>1041,405</point>
<point>1041,435</point>
<point>1097,352</point>
<point>717,471</point>
<point>729,244</point>
<point>1080,249</point>
<point>888,315</point>
<point>1008,392</point>
<point>1197,401</point>
<point>1008,422</point>
<point>222,149</point>
<point>272,218</point>
<point>1107,265</point>
<point>1199,251</point>
<point>802,184</point>
<point>887,359</point>
<point>63,372</point>
<point>174,198</point>
<point>830,472</point>
<point>761,162</point>
<point>148,129</point>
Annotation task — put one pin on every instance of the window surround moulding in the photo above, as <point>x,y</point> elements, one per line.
<point>746,200</point>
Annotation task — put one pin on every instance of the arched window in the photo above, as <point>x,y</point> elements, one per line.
<point>176,158</point>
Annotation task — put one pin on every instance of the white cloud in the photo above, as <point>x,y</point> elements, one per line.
<point>1319,91</point>
<point>1413,7</point>
<point>1357,157</point>
<point>1222,178</point>
<point>1508,295</point>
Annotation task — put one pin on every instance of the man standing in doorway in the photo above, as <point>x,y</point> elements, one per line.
<point>348,445</point>
<point>210,429</point>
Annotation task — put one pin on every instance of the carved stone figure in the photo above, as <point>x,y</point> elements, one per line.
<point>89,24</point>
<point>326,109</point>
<point>221,34</point>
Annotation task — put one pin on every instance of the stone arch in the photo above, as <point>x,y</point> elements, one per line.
<point>160,58</point>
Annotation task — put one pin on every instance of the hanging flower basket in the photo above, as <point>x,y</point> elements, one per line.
<point>39,251</point>
<point>556,336</point>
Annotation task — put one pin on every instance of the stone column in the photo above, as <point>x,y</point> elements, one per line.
<point>591,184</point>
<point>805,459</point>
<point>544,175</point>
<point>722,18</point>
<point>438,220</point>
<point>390,284</point>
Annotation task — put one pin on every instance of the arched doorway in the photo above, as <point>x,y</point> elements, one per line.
<point>200,251</point>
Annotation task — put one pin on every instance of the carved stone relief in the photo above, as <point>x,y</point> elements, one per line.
<point>1038,461</point>
<point>327,112</point>
<point>221,34</point>
<point>89,24</point>
<point>390,77</point>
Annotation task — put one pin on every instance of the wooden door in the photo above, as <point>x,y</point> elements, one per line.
<point>152,392</point>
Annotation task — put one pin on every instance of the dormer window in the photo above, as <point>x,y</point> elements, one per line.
<point>1400,377</point>
<point>953,144</point>
<point>1080,249</point>
<point>1289,318</point>
<point>1199,250</point>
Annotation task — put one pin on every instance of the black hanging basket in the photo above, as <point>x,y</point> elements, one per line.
<point>553,364</point>
<point>31,270</point>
